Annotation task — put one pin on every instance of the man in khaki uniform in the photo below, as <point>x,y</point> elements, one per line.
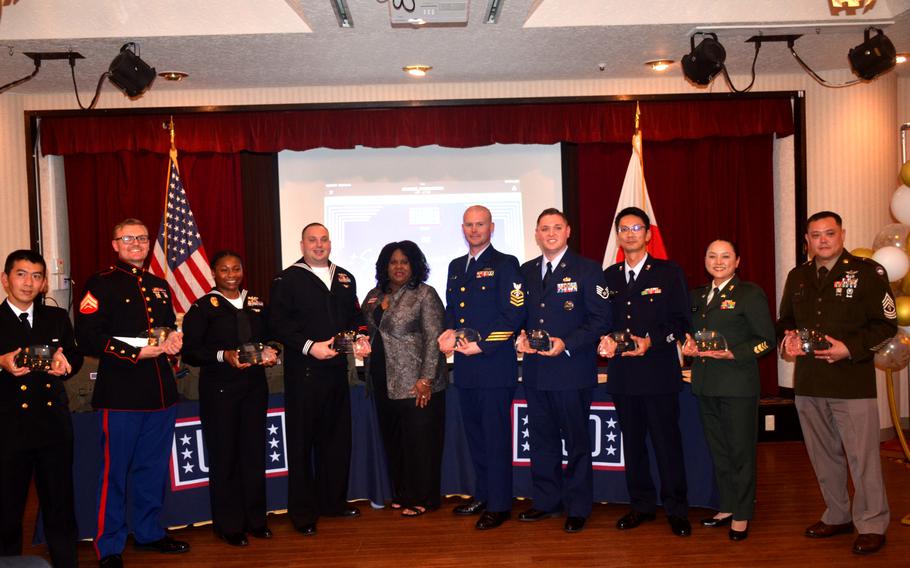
<point>849,301</point>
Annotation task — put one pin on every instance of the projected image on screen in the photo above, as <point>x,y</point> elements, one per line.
<point>369,197</point>
<point>363,219</point>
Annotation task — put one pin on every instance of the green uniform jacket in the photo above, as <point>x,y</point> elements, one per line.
<point>854,305</point>
<point>739,313</point>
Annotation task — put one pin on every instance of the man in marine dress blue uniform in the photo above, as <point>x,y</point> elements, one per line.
<point>135,394</point>
<point>650,301</point>
<point>485,292</point>
<point>566,297</point>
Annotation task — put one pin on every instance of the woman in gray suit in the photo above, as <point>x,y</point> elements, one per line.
<point>408,375</point>
<point>726,381</point>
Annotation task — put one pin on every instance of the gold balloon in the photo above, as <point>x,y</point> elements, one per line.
<point>862,252</point>
<point>903,286</point>
<point>903,310</point>
<point>905,173</point>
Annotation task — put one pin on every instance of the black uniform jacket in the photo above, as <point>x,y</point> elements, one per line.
<point>739,313</point>
<point>852,304</point>
<point>303,311</point>
<point>656,306</point>
<point>34,411</point>
<point>575,308</point>
<point>125,301</point>
<point>490,299</point>
<point>213,324</point>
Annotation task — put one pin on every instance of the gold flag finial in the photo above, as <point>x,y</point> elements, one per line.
<point>637,118</point>
<point>170,127</point>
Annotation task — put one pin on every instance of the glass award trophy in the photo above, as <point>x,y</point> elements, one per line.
<point>624,341</point>
<point>708,340</point>
<point>35,357</point>
<point>812,340</point>
<point>344,342</point>
<point>539,340</point>
<point>157,335</point>
<point>251,353</point>
<point>465,335</point>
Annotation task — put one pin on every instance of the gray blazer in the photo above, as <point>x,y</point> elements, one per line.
<point>409,330</point>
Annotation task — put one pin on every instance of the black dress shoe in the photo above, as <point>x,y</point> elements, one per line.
<point>308,529</point>
<point>490,520</point>
<point>112,561</point>
<point>264,532</point>
<point>350,512</point>
<point>574,524</point>
<point>633,518</point>
<point>165,545</point>
<point>713,522</point>
<point>472,508</point>
<point>737,536</point>
<point>679,525</point>
<point>234,539</point>
<point>533,514</point>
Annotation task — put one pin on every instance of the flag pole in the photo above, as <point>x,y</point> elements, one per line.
<point>172,163</point>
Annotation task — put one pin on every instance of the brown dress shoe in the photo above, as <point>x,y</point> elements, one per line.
<point>822,530</point>
<point>868,543</point>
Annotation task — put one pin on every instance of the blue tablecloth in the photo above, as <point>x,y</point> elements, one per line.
<point>187,500</point>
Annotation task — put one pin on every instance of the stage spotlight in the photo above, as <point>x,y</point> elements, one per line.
<point>705,61</point>
<point>130,74</point>
<point>872,57</point>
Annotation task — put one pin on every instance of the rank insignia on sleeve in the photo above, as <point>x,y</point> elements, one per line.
<point>516,296</point>
<point>761,347</point>
<point>603,291</point>
<point>89,304</point>
<point>214,301</point>
<point>888,307</point>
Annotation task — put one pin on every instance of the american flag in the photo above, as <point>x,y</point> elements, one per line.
<point>179,256</point>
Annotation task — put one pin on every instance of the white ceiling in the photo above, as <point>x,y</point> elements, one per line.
<point>226,44</point>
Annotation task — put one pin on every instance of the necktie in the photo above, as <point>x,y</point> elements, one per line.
<point>715,292</point>
<point>631,278</point>
<point>547,275</point>
<point>23,317</point>
<point>471,264</point>
<point>822,272</point>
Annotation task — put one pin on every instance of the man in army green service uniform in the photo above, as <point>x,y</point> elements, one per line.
<point>849,301</point>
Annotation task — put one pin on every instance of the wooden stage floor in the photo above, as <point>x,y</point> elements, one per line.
<point>788,502</point>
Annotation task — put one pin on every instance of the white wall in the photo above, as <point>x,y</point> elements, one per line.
<point>852,148</point>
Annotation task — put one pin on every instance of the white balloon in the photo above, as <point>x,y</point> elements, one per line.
<point>900,204</point>
<point>894,261</point>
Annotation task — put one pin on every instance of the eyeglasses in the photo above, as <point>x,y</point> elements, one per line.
<point>127,239</point>
<point>633,228</point>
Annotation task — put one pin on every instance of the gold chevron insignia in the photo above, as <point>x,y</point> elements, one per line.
<point>499,336</point>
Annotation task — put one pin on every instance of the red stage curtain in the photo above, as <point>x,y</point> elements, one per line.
<point>453,126</point>
<point>701,190</point>
<point>103,189</point>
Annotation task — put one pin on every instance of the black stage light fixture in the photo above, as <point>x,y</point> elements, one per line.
<point>130,74</point>
<point>705,61</point>
<point>874,56</point>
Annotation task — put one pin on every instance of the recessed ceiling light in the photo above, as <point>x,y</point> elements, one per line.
<point>901,57</point>
<point>416,70</point>
<point>659,64</point>
<point>173,75</point>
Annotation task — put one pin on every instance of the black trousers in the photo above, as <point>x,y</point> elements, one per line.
<point>233,415</point>
<point>318,414</point>
<point>655,417</point>
<point>53,470</point>
<point>413,438</point>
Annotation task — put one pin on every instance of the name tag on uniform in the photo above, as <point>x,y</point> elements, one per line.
<point>485,273</point>
<point>651,291</point>
<point>566,287</point>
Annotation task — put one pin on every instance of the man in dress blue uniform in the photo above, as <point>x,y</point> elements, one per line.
<point>567,298</point>
<point>135,394</point>
<point>485,292</point>
<point>34,413</point>
<point>650,301</point>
